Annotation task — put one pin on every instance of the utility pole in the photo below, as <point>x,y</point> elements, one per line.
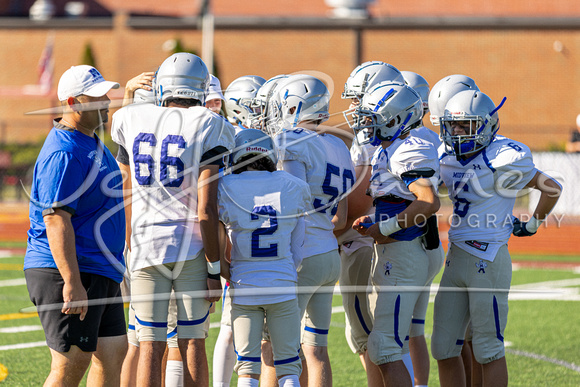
<point>207,29</point>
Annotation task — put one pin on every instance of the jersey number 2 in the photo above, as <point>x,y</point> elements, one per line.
<point>272,249</point>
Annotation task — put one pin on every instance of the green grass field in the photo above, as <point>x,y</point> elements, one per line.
<point>543,335</point>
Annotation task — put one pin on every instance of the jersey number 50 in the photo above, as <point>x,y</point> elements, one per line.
<point>332,190</point>
<point>165,162</point>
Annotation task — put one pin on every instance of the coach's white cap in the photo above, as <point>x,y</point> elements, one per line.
<point>85,80</point>
<point>215,89</point>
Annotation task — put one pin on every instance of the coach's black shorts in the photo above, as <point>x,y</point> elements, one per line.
<point>104,318</point>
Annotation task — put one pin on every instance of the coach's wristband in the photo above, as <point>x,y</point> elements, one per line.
<point>533,224</point>
<point>389,226</point>
<point>213,267</point>
<point>213,276</point>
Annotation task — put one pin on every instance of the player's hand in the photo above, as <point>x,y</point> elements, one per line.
<point>520,228</point>
<point>214,292</point>
<point>374,231</point>
<point>361,224</point>
<point>75,299</point>
<point>141,81</point>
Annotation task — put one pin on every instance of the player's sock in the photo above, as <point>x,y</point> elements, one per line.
<point>224,357</point>
<point>421,385</point>
<point>289,381</point>
<point>174,373</point>
<point>409,364</point>
<point>248,382</point>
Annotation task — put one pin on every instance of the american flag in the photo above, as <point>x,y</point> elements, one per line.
<point>46,66</point>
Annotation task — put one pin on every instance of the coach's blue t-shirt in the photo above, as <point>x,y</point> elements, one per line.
<point>78,174</point>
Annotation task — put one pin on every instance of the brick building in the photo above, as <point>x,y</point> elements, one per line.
<point>527,50</point>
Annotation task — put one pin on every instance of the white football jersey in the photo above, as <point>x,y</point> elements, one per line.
<point>260,210</point>
<point>416,152</point>
<point>361,155</point>
<point>483,190</point>
<point>329,173</point>
<point>165,147</point>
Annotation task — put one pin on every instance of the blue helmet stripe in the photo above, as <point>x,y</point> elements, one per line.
<point>385,97</point>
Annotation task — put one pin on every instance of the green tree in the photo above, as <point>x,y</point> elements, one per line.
<point>88,57</point>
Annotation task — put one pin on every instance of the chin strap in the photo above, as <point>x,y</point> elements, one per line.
<point>297,116</point>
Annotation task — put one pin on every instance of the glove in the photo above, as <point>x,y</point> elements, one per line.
<point>520,228</point>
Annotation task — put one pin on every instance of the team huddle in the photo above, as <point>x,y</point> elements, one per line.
<point>248,192</point>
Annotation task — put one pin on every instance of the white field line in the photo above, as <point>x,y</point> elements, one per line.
<point>23,328</point>
<point>13,282</point>
<point>536,356</point>
<point>23,345</point>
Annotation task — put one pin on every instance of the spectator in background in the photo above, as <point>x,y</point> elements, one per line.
<point>215,98</point>
<point>573,144</point>
<point>76,238</point>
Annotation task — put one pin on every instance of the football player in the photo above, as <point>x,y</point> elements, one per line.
<point>173,153</point>
<point>239,96</point>
<point>443,90</point>
<point>174,367</point>
<point>298,105</point>
<point>441,93</point>
<point>483,172</point>
<point>259,106</point>
<point>356,250</point>
<point>404,177</point>
<point>265,226</point>
<point>368,74</point>
<point>417,343</point>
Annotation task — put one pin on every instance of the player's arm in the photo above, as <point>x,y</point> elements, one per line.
<point>297,242</point>
<point>141,81</point>
<point>359,203</point>
<point>424,206</point>
<point>339,219</point>
<point>127,200</point>
<point>550,191</point>
<point>207,212</point>
<point>225,251</point>
<point>61,239</point>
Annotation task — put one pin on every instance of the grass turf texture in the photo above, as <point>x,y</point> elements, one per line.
<point>545,328</point>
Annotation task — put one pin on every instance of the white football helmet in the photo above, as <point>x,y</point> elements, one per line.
<point>144,96</point>
<point>253,142</point>
<point>387,111</point>
<point>239,96</point>
<point>182,75</point>
<point>476,114</point>
<point>368,74</point>
<point>299,97</point>
<point>420,85</point>
<point>442,92</point>
<point>259,105</point>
